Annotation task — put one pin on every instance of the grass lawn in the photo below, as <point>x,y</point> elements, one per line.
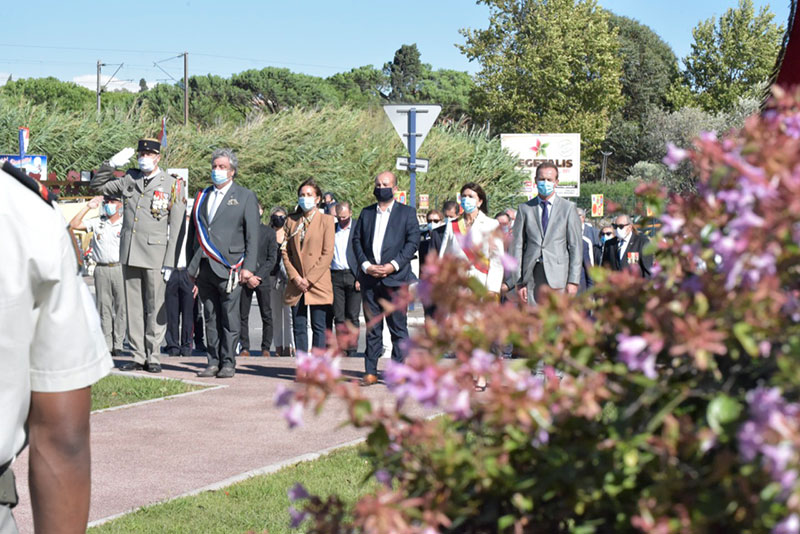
<point>258,504</point>
<point>115,390</point>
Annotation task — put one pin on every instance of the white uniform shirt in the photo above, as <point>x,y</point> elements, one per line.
<point>341,240</point>
<point>623,245</point>
<point>52,341</point>
<point>105,238</point>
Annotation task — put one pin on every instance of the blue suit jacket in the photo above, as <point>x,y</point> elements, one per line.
<point>400,243</point>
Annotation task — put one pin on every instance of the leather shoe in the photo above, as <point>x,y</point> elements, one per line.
<point>244,353</point>
<point>208,372</point>
<point>186,352</point>
<point>153,368</point>
<point>369,380</point>
<point>226,372</point>
<point>131,366</point>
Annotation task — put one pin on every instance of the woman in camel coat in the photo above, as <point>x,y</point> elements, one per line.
<point>307,254</point>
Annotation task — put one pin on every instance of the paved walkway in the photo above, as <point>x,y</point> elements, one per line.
<point>156,451</point>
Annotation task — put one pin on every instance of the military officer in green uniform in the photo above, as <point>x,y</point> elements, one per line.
<point>154,208</point>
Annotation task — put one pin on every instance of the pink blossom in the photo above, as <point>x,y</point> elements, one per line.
<point>294,414</point>
<point>384,477</point>
<point>708,136</point>
<point>510,263</point>
<point>674,156</point>
<point>481,361</point>
<point>790,525</point>
<point>632,350</point>
<point>297,492</point>
<point>283,395</point>
<point>297,517</point>
<point>671,225</point>
<point>461,408</point>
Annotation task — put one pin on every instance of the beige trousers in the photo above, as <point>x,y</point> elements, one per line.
<point>147,314</point>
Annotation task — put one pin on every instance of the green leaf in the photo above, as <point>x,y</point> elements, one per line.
<point>743,331</point>
<point>505,522</point>
<point>722,410</point>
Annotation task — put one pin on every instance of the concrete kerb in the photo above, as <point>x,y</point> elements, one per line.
<point>266,470</point>
<point>206,388</point>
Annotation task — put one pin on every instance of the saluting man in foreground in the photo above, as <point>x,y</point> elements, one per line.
<point>153,205</point>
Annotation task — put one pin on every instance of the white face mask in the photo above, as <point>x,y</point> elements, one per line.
<point>147,164</point>
<point>621,233</point>
<point>219,176</point>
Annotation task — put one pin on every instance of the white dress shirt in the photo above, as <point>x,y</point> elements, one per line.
<point>381,223</point>
<point>341,240</point>
<point>623,245</point>
<point>216,200</point>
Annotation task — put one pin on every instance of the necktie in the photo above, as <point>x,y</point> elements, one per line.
<point>545,215</point>
<point>621,248</point>
<point>214,205</point>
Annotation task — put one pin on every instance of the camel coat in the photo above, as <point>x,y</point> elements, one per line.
<point>311,260</point>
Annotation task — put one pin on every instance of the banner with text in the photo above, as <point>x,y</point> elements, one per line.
<point>531,150</point>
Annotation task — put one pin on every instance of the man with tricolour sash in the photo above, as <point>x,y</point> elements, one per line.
<point>222,251</point>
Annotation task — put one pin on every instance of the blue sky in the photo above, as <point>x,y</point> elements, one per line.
<point>65,39</point>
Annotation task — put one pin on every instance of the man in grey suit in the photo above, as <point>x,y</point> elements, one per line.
<point>547,240</point>
<point>222,254</point>
<point>154,206</point>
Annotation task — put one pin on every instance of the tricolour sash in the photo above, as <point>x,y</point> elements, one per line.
<point>477,260</point>
<point>205,241</point>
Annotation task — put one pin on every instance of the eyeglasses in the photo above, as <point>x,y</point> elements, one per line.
<point>608,233</point>
<point>620,226</point>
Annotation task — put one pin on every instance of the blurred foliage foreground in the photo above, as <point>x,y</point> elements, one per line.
<point>678,408</point>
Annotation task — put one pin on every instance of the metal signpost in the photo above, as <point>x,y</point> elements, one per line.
<point>412,123</point>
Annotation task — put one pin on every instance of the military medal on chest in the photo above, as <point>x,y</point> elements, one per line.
<point>160,203</point>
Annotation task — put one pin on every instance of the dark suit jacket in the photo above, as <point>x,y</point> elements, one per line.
<point>234,231</point>
<point>267,252</point>
<point>432,242</point>
<point>636,245</point>
<point>400,243</point>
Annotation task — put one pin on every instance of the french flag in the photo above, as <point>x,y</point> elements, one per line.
<point>163,135</point>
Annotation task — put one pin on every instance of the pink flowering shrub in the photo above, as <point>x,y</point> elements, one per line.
<point>661,406</point>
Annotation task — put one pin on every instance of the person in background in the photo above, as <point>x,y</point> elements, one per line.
<point>606,234</point>
<point>261,285</point>
<point>344,269</point>
<point>283,335</point>
<point>53,350</point>
<point>180,298</point>
<point>329,204</point>
<point>512,215</point>
<point>473,237</point>
<point>109,286</point>
<point>588,230</point>
<point>307,255</point>
<point>626,249</point>
<point>430,243</point>
<point>385,239</point>
<point>450,209</point>
<point>504,222</point>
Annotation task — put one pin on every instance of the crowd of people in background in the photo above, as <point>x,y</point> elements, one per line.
<point>180,270</point>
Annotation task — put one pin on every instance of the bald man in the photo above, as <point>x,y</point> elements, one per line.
<point>385,238</point>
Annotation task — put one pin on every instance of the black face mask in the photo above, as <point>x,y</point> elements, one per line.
<point>344,222</point>
<point>278,221</point>
<point>383,194</point>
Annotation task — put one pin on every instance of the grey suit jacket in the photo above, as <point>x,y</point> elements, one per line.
<point>233,231</point>
<point>151,219</point>
<point>561,249</point>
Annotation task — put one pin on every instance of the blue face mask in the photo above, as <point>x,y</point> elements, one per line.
<point>469,204</point>
<point>306,203</point>
<point>545,187</point>
<point>219,176</point>
<point>110,209</point>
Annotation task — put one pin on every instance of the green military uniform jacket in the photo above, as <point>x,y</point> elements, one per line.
<point>149,213</point>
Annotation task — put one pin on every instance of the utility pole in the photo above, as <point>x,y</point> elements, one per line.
<point>99,64</point>
<point>185,88</point>
<point>603,167</point>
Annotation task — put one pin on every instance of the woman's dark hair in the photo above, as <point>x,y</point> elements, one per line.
<point>310,182</point>
<point>481,195</point>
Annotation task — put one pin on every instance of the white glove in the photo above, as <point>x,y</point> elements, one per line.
<point>122,157</point>
<point>167,272</point>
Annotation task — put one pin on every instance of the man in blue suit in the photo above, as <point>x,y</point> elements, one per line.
<point>385,238</point>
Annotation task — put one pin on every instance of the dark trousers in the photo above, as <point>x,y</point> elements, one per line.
<point>346,300</point>
<point>199,337</point>
<point>262,292</point>
<point>319,313</point>
<point>396,321</point>
<point>180,318</point>
<point>221,312</point>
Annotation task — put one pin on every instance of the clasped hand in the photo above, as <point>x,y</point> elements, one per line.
<point>380,271</point>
